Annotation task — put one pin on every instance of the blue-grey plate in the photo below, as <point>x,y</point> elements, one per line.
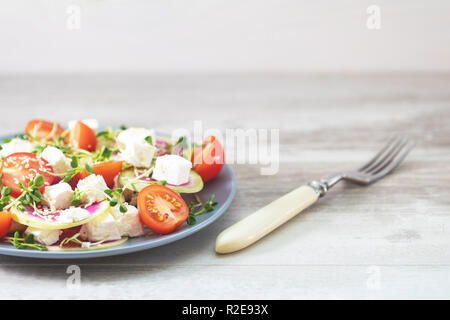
<point>223,186</point>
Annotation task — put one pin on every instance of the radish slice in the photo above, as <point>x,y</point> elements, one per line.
<point>194,185</point>
<point>51,221</point>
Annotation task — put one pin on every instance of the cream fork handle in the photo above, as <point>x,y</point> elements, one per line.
<point>265,220</point>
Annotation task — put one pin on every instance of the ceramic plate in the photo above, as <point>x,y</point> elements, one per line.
<point>223,186</point>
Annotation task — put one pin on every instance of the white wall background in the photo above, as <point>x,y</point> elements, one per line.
<point>224,36</point>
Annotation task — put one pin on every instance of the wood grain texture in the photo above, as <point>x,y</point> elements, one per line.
<point>388,240</point>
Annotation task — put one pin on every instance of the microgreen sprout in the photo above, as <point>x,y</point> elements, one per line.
<point>76,168</point>
<point>194,209</point>
<point>5,192</point>
<point>182,148</point>
<point>38,149</point>
<point>89,169</point>
<point>77,196</point>
<point>107,134</point>
<point>23,136</point>
<point>103,154</point>
<point>30,195</point>
<point>149,140</point>
<point>73,239</point>
<point>25,243</point>
<point>115,198</point>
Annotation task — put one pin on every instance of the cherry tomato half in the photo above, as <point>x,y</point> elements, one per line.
<point>5,223</point>
<point>161,209</point>
<point>43,129</point>
<point>24,167</point>
<point>83,137</point>
<point>208,159</point>
<point>109,170</point>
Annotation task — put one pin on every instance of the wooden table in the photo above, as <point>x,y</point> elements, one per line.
<point>389,240</point>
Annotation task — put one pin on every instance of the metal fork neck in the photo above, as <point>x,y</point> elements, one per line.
<point>322,186</point>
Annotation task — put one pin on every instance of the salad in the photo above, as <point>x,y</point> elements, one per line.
<point>83,189</point>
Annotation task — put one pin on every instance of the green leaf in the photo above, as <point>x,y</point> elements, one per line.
<point>102,134</point>
<point>89,169</point>
<point>35,199</point>
<point>37,193</point>
<point>16,239</point>
<point>6,191</point>
<point>180,140</point>
<point>27,199</point>
<point>75,162</point>
<point>123,209</point>
<point>105,153</point>
<point>149,140</point>
<point>191,220</point>
<point>39,181</point>
<point>29,238</point>
<point>38,149</point>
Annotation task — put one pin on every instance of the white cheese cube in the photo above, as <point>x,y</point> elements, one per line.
<point>58,196</point>
<point>91,123</point>
<point>104,228</point>
<point>56,159</point>
<point>128,223</point>
<point>92,188</point>
<point>139,155</point>
<point>14,146</point>
<point>73,214</point>
<point>173,169</point>
<point>47,237</point>
<point>134,135</point>
<point>134,149</point>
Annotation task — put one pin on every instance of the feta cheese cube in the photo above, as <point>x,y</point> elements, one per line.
<point>104,228</point>
<point>14,146</point>
<point>58,196</point>
<point>173,169</point>
<point>128,223</point>
<point>134,135</point>
<point>56,159</point>
<point>134,149</point>
<point>91,123</point>
<point>93,189</point>
<point>47,237</point>
<point>73,214</point>
<point>139,155</point>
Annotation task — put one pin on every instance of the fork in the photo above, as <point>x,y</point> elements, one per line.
<point>265,220</point>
